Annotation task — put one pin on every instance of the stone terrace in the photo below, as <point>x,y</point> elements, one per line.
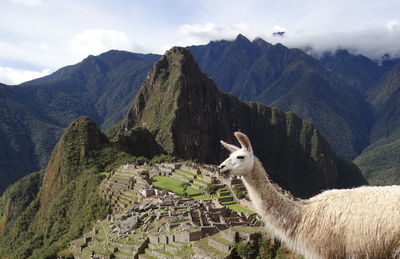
<point>149,223</point>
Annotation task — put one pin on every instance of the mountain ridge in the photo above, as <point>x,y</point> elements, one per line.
<point>188,115</point>
<point>287,79</point>
<point>34,114</point>
<point>103,86</point>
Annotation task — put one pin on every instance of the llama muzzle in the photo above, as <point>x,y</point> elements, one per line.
<point>225,172</point>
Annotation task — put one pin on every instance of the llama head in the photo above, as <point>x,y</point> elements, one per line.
<point>241,160</point>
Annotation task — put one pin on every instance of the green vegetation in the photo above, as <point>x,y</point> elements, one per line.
<point>163,158</point>
<point>290,80</point>
<point>44,221</point>
<point>380,163</point>
<point>186,172</point>
<point>202,197</point>
<point>240,191</point>
<point>265,248</point>
<point>34,114</point>
<point>174,185</point>
<point>211,188</point>
<point>237,207</point>
<point>168,104</point>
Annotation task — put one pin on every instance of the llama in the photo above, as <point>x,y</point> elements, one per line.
<point>362,222</point>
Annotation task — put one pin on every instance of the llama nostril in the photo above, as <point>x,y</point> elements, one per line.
<point>221,166</point>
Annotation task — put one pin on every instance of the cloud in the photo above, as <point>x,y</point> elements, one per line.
<point>39,54</point>
<point>12,76</point>
<point>371,41</point>
<point>190,34</point>
<point>63,32</point>
<point>94,42</point>
<point>30,3</point>
<point>393,25</point>
<point>277,28</point>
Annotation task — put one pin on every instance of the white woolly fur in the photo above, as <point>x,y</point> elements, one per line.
<point>362,222</point>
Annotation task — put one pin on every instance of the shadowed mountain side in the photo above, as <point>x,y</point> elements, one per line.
<point>26,136</point>
<point>183,108</point>
<point>100,87</point>
<point>34,114</point>
<point>290,80</point>
<point>39,217</point>
<point>380,162</point>
<point>358,71</point>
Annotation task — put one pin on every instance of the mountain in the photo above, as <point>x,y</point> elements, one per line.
<point>358,71</point>
<point>188,116</point>
<point>381,162</point>
<point>43,211</point>
<point>99,86</point>
<point>178,110</point>
<point>329,92</point>
<point>292,81</point>
<point>34,114</point>
<point>26,136</point>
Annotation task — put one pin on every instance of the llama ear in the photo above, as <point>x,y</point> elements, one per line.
<point>244,141</point>
<point>230,147</point>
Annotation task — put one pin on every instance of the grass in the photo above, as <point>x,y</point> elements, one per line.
<point>218,238</point>
<point>226,203</point>
<point>202,197</point>
<point>183,175</point>
<point>174,185</point>
<point>224,196</point>
<point>186,172</point>
<point>203,244</point>
<point>237,207</point>
<point>201,181</point>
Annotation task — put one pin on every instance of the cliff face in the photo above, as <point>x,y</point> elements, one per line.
<point>187,114</point>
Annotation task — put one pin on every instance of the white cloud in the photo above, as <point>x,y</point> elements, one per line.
<point>31,3</point>
<point>41,54</point>
<point>373,41</point>
<point>12,76</point>
<point>57,34</point>
<point>94,42</point>
<point>190,34</point>
<point>277,28</point>
<point>393,25</point>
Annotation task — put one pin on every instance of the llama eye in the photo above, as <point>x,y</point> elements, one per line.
<point>240,157</point>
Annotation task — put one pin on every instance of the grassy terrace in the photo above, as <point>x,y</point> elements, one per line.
<point>189,173</point>
<point>237,207</point>
<point>174,185</point>
<point>202,197</point>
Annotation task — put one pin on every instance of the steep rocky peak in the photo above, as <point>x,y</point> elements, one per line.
<point>172,72</point>
<point>242,39</point>
<point>261,43</point>
<point>81,139</point>
<point>174,82</point>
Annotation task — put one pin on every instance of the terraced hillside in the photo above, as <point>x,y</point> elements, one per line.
<point>170,211</point>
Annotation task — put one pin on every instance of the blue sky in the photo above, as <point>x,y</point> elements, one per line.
<point>38,37</point>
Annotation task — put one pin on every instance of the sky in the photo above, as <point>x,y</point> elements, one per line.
<point>37,37</point>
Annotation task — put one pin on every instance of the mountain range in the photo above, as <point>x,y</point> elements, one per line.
<point>179,111</point>
<point>350,98</point>
<point>34,114</point>
<point>292,81</point>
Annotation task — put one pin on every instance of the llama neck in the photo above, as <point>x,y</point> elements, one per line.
<point>279,212</point>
